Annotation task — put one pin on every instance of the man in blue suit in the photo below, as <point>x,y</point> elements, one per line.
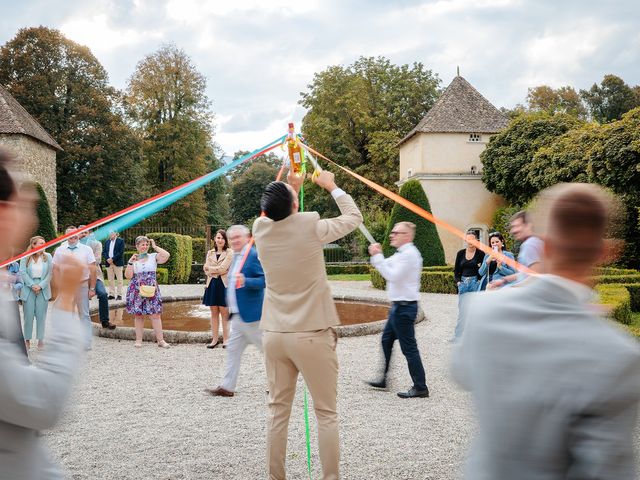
<point>113,256</point>
<point>245,295</point>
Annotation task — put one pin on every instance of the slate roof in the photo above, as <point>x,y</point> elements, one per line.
<point>461,109</point>
<point>15,119</point>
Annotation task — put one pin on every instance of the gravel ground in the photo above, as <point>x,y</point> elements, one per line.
<point>143,413</point>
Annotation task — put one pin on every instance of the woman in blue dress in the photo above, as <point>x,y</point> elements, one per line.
<point>491,269</point>
<point>216,267</point>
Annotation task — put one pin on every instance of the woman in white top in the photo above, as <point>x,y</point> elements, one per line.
<point>35,295</point>
<point>143,293</point>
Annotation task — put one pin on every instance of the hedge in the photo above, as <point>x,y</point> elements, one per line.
<point>430,282</point>
<point>181,255</point>
<point>348,268</point>
<point>634,294</point>
<point>45,229</point>
<point>438,268</point>
<point>618,299</point>
<point>335,253</point>
<point>199,249</point>
<point>197,275</point>
<point>618,279</point>
<point>616,271</point>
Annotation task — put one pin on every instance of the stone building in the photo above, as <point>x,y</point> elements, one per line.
<point>31,145</point>
<point>443,153</point>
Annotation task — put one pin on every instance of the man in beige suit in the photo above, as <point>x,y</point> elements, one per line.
<point>298,315</point>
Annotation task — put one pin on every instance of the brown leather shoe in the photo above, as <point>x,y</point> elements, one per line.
<point>219,392</point>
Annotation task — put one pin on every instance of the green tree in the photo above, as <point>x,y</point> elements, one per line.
<point>216,194</point>
<point>507,160</point>
<point>610,100</point>
<point>246,191</point>
<point>167,101</point>
<point>561,100</point>
<point>66,89</point>
<point>358,113</point>
<point>427,239</point>
<point>46,228</point>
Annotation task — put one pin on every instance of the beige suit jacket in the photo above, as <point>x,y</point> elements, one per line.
<point>215,268</point>
<point>298,297</point>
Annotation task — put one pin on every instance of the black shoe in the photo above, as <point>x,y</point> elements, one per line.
<point>119,297</point>
<point>111,297</point>
<point>109,325</point>
<point>379,384</point>
<point>413,393</point>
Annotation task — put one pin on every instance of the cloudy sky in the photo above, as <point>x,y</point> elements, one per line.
<point>258,55</point>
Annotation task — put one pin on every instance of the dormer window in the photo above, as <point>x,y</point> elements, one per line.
<point>475,137</point>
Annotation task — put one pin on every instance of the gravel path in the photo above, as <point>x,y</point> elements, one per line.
<point>143,414</point>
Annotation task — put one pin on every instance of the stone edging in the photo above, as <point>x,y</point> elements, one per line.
<point>175,336</point>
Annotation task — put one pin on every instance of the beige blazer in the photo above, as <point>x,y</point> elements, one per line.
<point>218,268</point>
<point>298,297</point>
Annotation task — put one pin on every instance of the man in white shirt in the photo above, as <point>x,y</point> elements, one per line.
<point>87,289</point>
<point>402,272</point>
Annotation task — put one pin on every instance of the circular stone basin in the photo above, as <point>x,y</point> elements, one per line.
<point>192,316</point>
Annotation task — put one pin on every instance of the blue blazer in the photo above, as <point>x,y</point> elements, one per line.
<point>251,296</point>
<point>501,272</point>
<point>44,282</point>
<point>118,252</point>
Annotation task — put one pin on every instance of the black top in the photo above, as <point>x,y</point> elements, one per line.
<point>467,268</point>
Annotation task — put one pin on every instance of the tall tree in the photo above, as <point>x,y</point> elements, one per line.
<point>66,89</point>
<point>247,189</point>
<point>216,193</point>
<point>358,113</point>
<point>561,100</point>
<point>166,99</point>
<point>610,100</point>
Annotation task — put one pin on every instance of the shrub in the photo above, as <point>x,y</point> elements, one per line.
<point>335,253</point>
<point>619,279</point>
<point>616,271</point>
<point>617,298</point>
<point>162,275</point>
<point>199,249</point>
<point>197,275</point>
<point>430,282</point>
<point>439,268</point>
<point>172,243</point>
<point>46,228</point>
<point>634,296</point>
<point>427,239</point>
<point>348,269</point>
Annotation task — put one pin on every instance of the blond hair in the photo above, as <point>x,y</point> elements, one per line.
<point>37,255</point>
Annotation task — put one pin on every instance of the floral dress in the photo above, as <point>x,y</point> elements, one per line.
<point>144,273</point>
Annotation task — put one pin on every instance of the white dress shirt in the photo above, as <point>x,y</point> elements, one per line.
<point>112,246</point>
<point>232,301</point>
<point>402,272</point>
<point>84,253</point>
<point>37,268</point>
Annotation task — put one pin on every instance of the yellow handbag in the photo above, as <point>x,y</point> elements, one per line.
<point>147,291</point>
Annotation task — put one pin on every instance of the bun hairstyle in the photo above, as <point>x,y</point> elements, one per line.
<point>276,201</point>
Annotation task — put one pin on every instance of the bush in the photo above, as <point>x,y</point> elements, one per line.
<point>616,271</point>
<point>501,224</point>
<point>46,228</point>
<point>617,298</point>
<point>335,253</point>
<point>199,249</point>
<point>440,268</point>
<point>197,275</point>
<point>348,268</point>
<point>180,251</point>
<point>619,279</point>
<point>427,239</point>
<point>634,296</point>
<point>162,275</point>
<point>430,282</point>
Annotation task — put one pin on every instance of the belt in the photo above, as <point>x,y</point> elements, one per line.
<point>405,302</point>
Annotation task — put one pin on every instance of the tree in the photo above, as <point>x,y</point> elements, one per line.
<point>216,194</point>
<point>270,159</point>
<point>357,114</point>
<point>46,228</point>
<point>427,239</point>
<point>610,100</point>
<point>66,89</point>
<point>507,160</point>
<point>562,100</point>
<point>247,189</point>
<point>167,101</point>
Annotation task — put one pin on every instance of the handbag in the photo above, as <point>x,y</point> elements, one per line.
<point>147,291</point>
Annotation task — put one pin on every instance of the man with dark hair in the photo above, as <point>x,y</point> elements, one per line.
<point>32,396</point>
<point>298,316</point>
<point>556,388</point>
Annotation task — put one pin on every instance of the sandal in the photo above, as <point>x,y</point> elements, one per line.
<point>212,345</point>
<point>163,344</point>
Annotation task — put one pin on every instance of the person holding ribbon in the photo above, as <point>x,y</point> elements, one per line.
<point>143,294</point>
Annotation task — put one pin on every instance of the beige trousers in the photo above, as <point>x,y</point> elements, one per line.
<point>113,271</point>
<point>313,354</point>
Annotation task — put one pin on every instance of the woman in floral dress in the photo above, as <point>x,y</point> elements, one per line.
<point>141,270</point>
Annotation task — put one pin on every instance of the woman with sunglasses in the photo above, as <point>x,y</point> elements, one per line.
<point>492,268</point>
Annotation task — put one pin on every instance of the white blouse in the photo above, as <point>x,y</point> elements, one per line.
<point>37,268</point>
<point>150,265</point>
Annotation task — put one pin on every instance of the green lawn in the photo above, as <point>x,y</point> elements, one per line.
<point>351,276</point>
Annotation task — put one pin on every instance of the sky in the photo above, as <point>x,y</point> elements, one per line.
<point>258,55</point>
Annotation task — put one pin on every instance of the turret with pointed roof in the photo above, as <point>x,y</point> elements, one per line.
<point>461,109</point>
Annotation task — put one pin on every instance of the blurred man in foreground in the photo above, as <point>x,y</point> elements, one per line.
<point>556,387</point>
<point>32,397</point>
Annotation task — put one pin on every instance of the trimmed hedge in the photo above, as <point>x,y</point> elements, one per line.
<point>430,282</point>
<point>615,271</point>
<point>634,294</point>
<point>197,275</point>
<point>617,279</point>
<point>438,268</point>
<point>335,253</point>
<point>618,299</point>
<point>348,268</point>
<point>46,228</point>
<point>199,249</point>
<point>181,255</point>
